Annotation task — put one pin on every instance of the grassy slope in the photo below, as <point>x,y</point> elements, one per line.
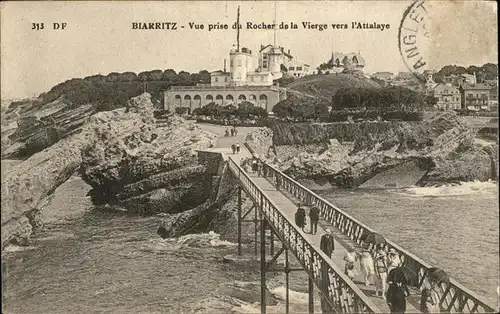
<point>325,86</point>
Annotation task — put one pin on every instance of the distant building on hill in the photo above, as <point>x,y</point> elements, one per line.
<point>493,102</point>
<point>475,96</point>
<point>448,97</point>
<point>276,59</point>
<point>346,61</point>
<point>385,76</point>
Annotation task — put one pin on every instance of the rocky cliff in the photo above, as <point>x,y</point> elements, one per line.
<point>348,154</point>
<point>30,129</point>
<point>131,164</point>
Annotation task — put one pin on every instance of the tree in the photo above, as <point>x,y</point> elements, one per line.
<point>284,108</point>
<point>169,75</point>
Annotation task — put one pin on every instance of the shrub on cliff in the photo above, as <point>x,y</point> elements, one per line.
<point>375,115</point>
<point>310,109</point>
<point>393,97</point>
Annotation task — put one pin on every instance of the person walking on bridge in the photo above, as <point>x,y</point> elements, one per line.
<point>237,148</point>
<point>233,148</point>
<point>327,244</point>
<point>300,217</point>
<point>314,218</point>
<point>380,271</point>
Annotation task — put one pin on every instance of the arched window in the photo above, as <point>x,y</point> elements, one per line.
<point>219,99</point>
<point>178,100</point>
<point>196,101</point>
<point>209,99</point>
<point>242,97</point>
<point>187,97</point>
<point>229,97</point>
<point>355,60</point>
<point>252,97</point>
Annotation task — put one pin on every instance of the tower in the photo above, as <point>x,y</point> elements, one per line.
<point>240,60</point>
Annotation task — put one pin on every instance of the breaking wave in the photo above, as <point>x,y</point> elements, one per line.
<point>196,240</point>
<point>463,188</point>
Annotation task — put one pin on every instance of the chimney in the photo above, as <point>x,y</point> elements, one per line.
<point>224,65</point>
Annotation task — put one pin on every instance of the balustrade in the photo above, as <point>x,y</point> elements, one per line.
<point>342,294</point>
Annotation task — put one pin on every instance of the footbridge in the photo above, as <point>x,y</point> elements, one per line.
<point>273,210</point>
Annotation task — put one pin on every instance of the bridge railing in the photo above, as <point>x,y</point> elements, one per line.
<point>342,294</point>
<point>453,297</point>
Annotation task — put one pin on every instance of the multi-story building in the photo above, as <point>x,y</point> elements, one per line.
<point>346,61</point>
<point>282,60</point>
<point>493,102</point>
<point>475,97</point>
<point>448,97</point>
<point>241,83</point>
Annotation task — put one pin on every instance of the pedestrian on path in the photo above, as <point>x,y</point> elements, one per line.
<point>327,244</point>
<point>314,218</point>
<point>300,217</point>
<point>233,148</point>
<point>232,132</point>
<point>235,131</point>
<point>393,260</point>
<point>260,168</point>
<point>227,132</point>
<point>367,264</point>
<point>350,258</point>
<point>380,260</point>
<point>254,165</point>
<point>429,299</point>
<point>237,148</point>
<point>396,299</point>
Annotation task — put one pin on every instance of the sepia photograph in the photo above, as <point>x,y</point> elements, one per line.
<point>249,156</point>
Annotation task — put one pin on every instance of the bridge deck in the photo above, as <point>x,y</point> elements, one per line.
<point>287,205</point>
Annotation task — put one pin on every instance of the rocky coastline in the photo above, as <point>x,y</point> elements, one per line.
<point>131,164</point>
<point>137,165</point>
<point>349,154</point>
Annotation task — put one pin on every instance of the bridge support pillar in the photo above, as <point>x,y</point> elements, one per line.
<point>256,230</point>
<point>311,296</point>
<point>262,265</point>
<point>287,283</point>
<point>239,220</point>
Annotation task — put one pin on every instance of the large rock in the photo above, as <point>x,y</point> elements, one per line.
<point>130,163</point>
<point>25,186</point>
<point>137,166</point>
<point>348,154</point>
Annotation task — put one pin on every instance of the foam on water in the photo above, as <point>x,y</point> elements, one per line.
<point>464,188</point>
<point>16,248</point>
<point>197,240</point>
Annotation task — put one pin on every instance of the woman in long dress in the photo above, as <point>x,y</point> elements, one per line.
<point>350,258</point>
<point>367,265</point>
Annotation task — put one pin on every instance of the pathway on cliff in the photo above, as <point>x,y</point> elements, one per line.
<point>288,205</point>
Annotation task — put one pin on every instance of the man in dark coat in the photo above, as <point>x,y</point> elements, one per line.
<point>314,218</point>
<point>396,298</point>
<point>300,217</point>
<point>326,244</point>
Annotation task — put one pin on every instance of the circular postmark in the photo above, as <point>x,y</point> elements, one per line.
<point>413,37</point>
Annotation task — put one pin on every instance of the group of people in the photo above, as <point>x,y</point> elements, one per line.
<point>375,262</point>
<point>231,132</point>
<point>235,148</point>
<point>379,265</point>
<point>300,218</point>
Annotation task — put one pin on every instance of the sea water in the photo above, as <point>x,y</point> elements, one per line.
<point>89,261</point>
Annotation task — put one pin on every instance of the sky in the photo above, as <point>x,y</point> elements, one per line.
<point>99,38</point>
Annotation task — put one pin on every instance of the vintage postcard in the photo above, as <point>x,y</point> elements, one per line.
<point>249,156</point>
